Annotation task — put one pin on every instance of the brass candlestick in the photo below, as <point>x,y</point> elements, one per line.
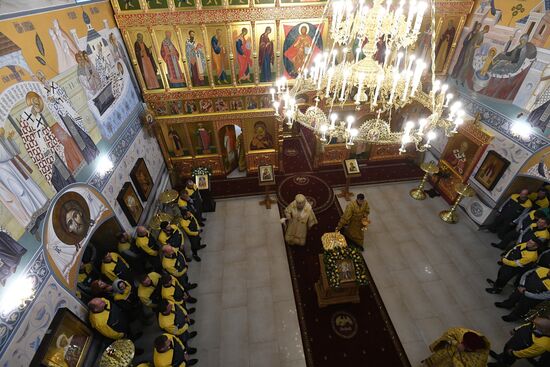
<point>463,190</point>
<point>430,168</point>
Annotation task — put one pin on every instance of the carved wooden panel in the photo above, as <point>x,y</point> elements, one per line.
<point>256,159</point>
<point>333,155</point>
<point>383,152</point>
<point>214,163</point>
<point>181,170</point>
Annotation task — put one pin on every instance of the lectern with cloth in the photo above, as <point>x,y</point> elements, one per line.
<point>343,270</point>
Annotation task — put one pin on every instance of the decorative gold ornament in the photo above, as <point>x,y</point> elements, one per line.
<point>119,354</point>
<point>462,190</point>
<point>332,240</point>
<point>356,71</point>
<point>430,168</point>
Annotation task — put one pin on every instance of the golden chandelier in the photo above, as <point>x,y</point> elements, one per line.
<point>372,63</point>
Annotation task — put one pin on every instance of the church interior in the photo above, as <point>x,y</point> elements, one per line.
<point>274,183</point>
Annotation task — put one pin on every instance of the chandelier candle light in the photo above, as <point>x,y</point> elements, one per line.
<point>382,74</point>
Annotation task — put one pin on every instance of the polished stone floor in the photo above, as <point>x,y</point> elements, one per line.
<point>430,274</point>
<point>246,316</point>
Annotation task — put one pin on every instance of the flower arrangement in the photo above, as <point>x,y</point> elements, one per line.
<point>331,259</point>
<point>199,171</point>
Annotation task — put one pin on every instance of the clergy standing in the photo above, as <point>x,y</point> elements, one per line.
<point>352,221</point>
<point>300,217</point>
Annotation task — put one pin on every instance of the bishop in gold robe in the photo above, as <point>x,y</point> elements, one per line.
<point>352,220</point>
<point>300,217</point>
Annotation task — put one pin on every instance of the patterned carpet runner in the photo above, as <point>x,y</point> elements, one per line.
<point>352,335</point>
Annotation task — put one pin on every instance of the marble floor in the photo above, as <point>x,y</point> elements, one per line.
<point>430,274</point>
<point>246,316</point>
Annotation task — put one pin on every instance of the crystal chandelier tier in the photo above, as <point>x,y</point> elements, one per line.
<point>375,65</point>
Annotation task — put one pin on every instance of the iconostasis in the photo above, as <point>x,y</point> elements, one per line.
<point>213,61</point>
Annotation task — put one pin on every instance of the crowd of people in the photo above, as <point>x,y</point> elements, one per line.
<point>522,225</point>
<point>147,276</point>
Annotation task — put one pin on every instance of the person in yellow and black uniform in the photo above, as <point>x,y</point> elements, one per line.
<point>193,230</point>
<point>527,341</point>
<point>148,246</point>
<point>533,288</point>
<point>102,289</point>
<point>173,262</point>
<point>173,291</point>
<point>539,230</point>
<point>87,273</point>
<point>110,321</point>
<point>522,223</point>
<point>173,319</point>
<point>114,266</point>
<point>540,199</point>
<point>125,297</point>
<point>126,249</point>
<point>186,203</point>
<point>193,191</point>
<point>149,289</point>
<point>171,235</point>
<point>514,207</point>
<point>169,351</point>
<point>544,259</point>
<point>513,263</point>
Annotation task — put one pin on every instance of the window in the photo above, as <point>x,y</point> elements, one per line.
<point>542,29</point>
<point>531,26</point>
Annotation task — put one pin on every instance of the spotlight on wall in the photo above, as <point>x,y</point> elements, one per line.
<point>104,165</point>
<point>17,293</point>
<point>521,129</point>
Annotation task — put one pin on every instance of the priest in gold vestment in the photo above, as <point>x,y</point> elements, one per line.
<point>300,217</point>
<point>352,221</point>
<point>459,347</point>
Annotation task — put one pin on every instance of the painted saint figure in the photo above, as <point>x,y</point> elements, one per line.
<point>65,47</point>
<point>508,63</point>
<point>58,101</point>
<point>469,50</point>
<point>102,65</point>
<point>457,157</point>
<point>87,74</point>
<point>197,61</point>
<point>171,57</point>
<point>265,56</point>
<point>509,69</point>
<point>146,63</point>
<point>42,145</point>
<point>297,53</point>
<point>244,53</point>
<point>203,139</point>
<point>18,191</point>
<point>444,45</point>
<point>262,138</point>
<point>230,145</point>
<point>176,140</point>
<point>218,57</point>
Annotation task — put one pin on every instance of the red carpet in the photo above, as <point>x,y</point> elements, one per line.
<point>371,339</point>
<point>294,158</point>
